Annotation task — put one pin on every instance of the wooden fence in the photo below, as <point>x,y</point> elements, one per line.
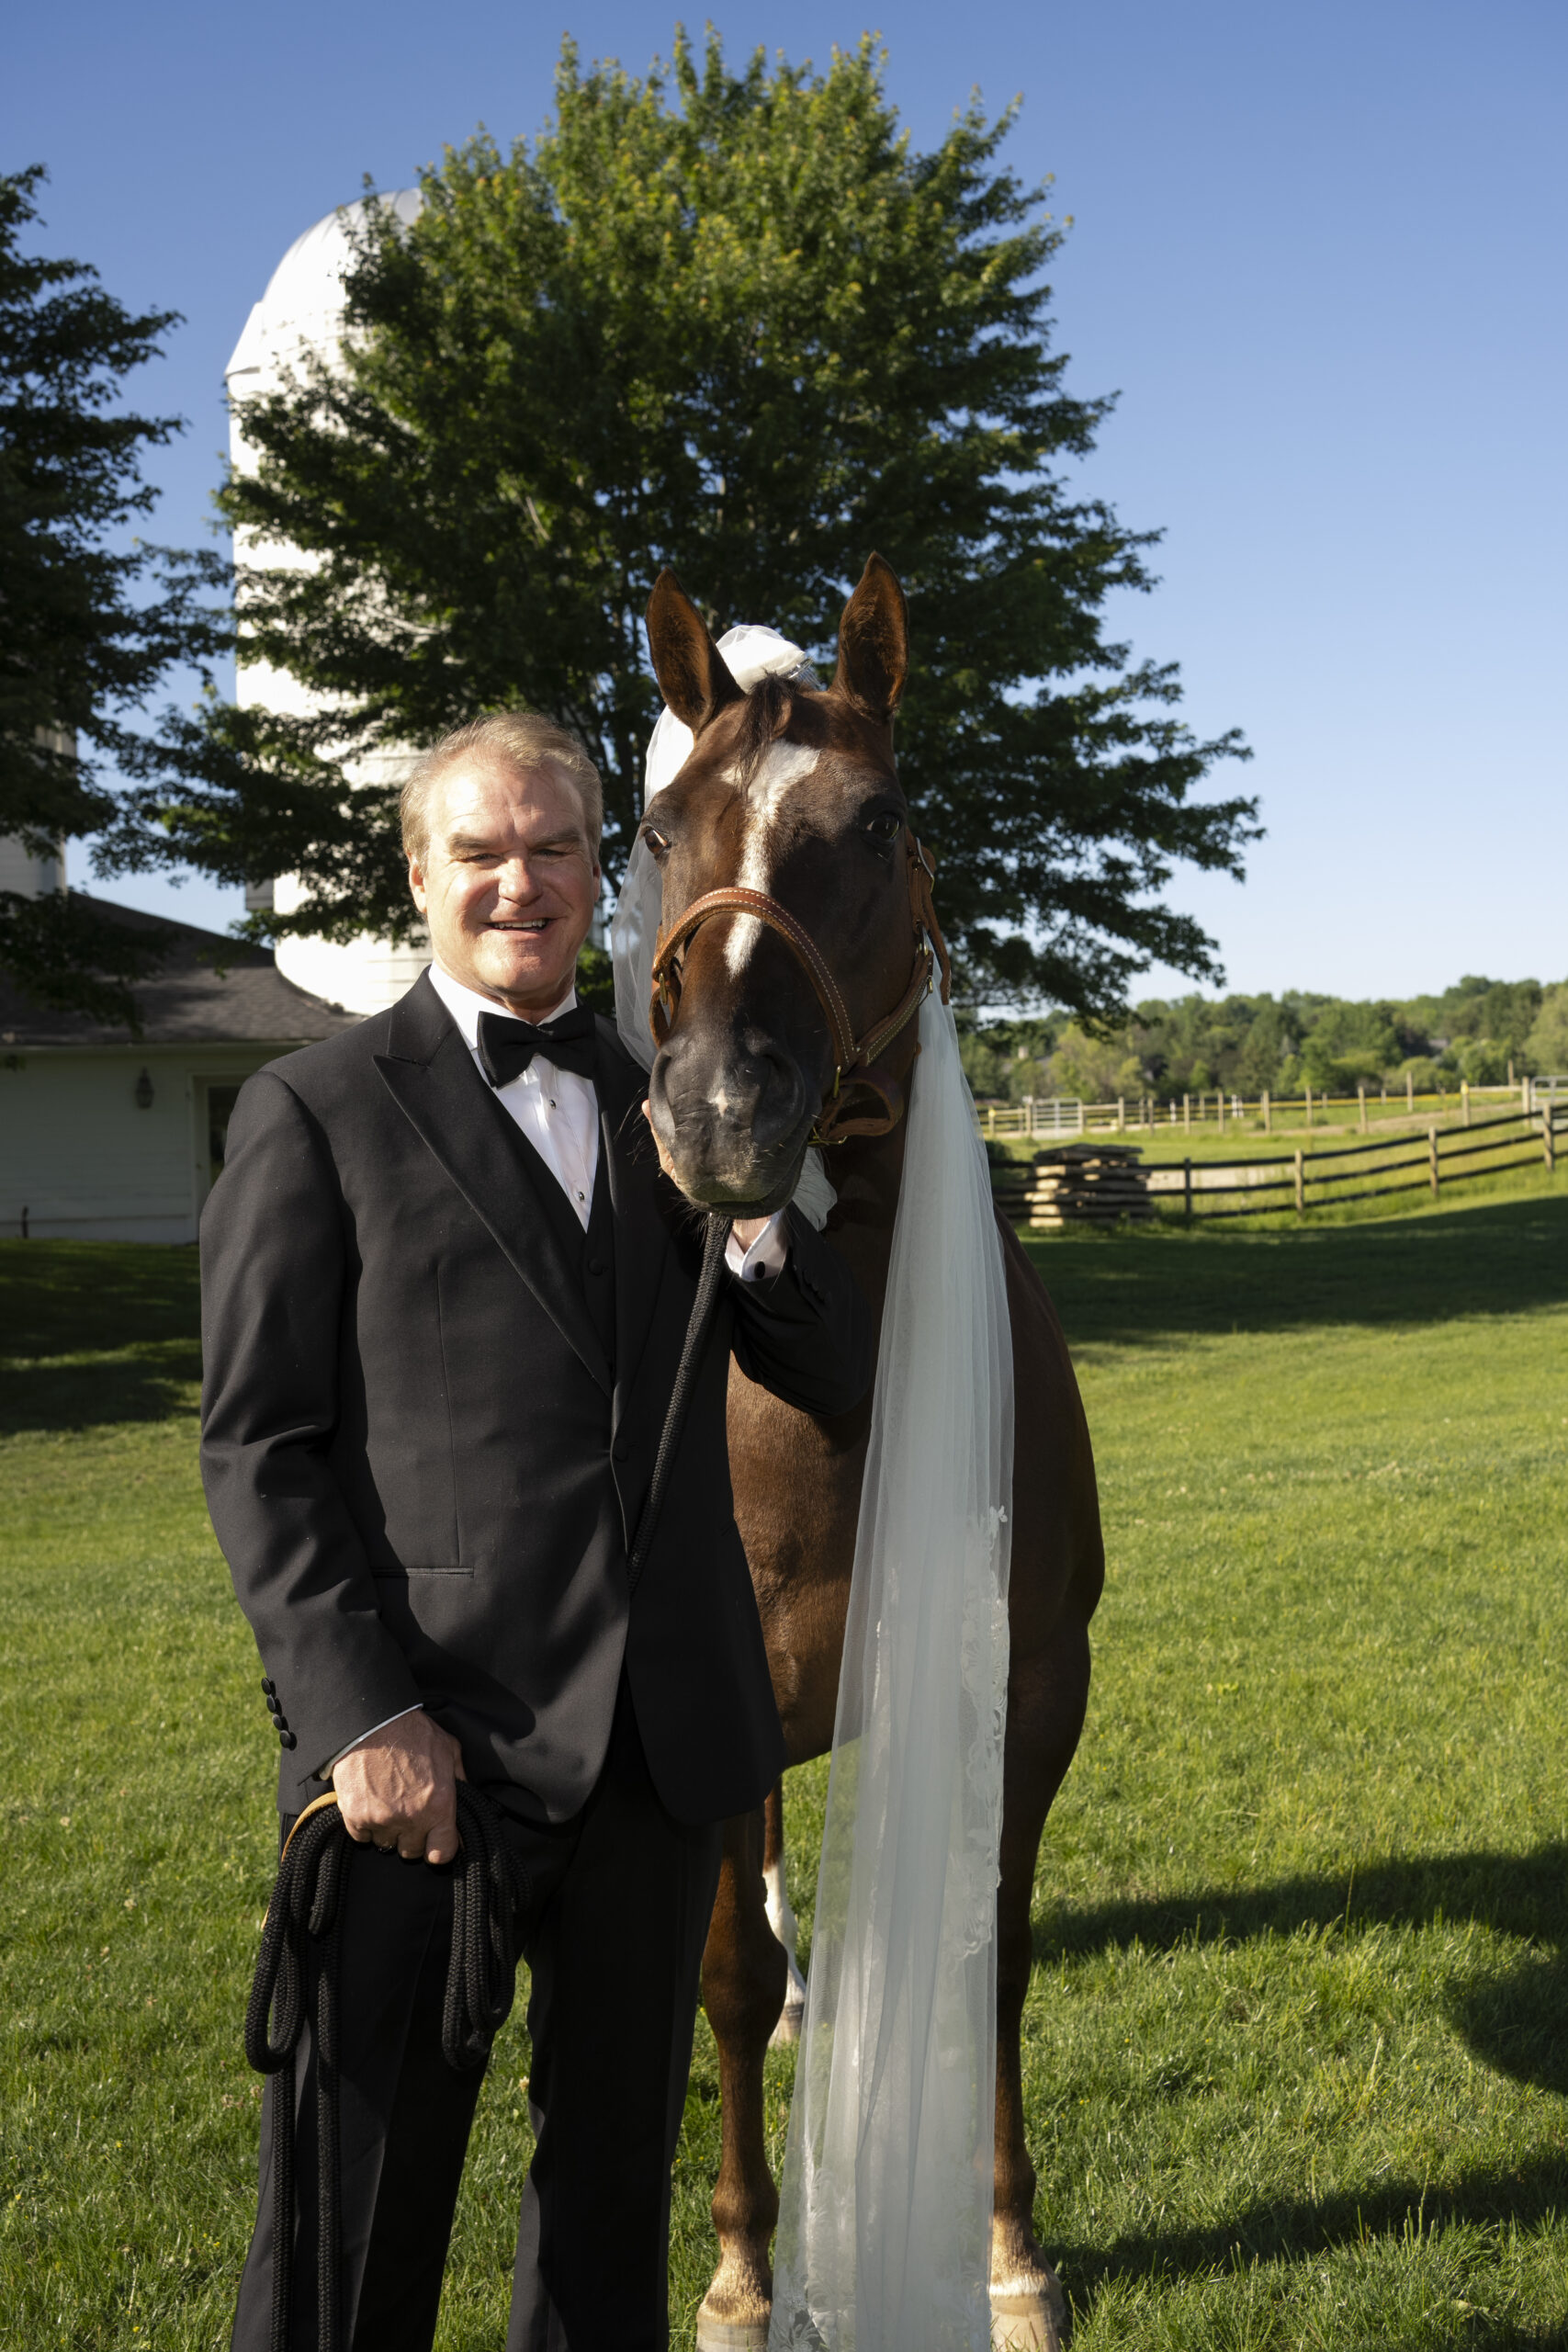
<point>1216,1110</point>
<point>1311,1182</point>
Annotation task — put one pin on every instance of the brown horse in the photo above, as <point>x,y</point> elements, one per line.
<point>791,797</point>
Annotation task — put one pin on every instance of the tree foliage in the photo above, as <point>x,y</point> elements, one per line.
<point>81,646</point>
<point>735,323</point>
<point>1474,1030</point>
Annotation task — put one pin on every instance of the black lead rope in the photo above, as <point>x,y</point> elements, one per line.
<point>713,1243</point>
<point>296,1968</point>
<point>297,1972</point>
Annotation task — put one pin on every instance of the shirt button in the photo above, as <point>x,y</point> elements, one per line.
<point>595,1265</point>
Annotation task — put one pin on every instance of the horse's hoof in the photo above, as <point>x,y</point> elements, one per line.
<point>1028,2316</point>
<point>730,2335</point>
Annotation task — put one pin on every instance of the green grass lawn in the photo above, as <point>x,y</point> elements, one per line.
<point>1297,2045</point>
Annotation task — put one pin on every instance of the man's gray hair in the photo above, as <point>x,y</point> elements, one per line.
<point>520,740</point>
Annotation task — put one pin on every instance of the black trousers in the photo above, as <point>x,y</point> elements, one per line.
<point>619,1912</point>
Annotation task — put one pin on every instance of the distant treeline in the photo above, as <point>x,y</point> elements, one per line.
<point>1247,1044</point>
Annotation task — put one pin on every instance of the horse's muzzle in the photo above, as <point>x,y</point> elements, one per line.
<point>736,1124</point>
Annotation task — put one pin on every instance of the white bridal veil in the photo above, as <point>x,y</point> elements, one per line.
<point>884,2236</point>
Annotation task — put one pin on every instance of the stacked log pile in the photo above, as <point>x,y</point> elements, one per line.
<point>1088,1183</point>
<point>1012,1181</point>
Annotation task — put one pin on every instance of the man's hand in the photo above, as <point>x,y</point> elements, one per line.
<point>745,1228</point>
<point>400,1788</point>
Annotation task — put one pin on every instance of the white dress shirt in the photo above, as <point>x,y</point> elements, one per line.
<point>558,1112</point>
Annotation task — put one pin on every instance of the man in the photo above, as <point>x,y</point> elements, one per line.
<point>445,1292</point>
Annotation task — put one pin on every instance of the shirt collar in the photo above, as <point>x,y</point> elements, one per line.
<point>465,1005</point>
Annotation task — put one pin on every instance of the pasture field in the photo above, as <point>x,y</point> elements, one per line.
<point>1297,2043</point>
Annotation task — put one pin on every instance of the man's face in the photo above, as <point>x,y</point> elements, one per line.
<point>508,882</point>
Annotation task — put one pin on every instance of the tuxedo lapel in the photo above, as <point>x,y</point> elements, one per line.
<point>642,1241</point>
<point>431,1076</point>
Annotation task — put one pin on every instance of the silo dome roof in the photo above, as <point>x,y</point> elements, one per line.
<point>304,295</point>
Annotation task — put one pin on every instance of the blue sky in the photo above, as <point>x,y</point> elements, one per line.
<point>1319,253</point>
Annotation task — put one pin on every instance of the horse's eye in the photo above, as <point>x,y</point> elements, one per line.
<point>657,841</point>
<point>884,827</point>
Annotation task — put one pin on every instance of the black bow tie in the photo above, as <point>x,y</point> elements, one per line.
<point>507,1047</point>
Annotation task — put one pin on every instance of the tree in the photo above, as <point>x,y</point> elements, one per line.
<point>78,651</point>
<point>1546,1048</point>
<point>733,324</point>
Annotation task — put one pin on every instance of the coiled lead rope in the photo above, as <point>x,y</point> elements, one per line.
<point>298,1971</point>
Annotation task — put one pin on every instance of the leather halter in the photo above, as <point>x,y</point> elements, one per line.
<point>854,1058</point>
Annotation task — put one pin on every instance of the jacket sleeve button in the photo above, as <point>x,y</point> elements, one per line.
<point>269,1686</point>
<point>287,1738</point>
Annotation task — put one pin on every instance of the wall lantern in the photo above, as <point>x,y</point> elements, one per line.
<point>144,1092</point>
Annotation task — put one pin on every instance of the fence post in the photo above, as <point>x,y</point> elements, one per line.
<point>1301,1182</point>
<point>1187,1114</point>
<point>1309,1104</point>
<point>1432,1154</point>
<point>1464,1098</point>
<point>1220,1109</point>
<point>1187,1189</point>
<point>1362,1093</point>
<point>1267,1113</point>
<point>1121,1114</point>
<point>1548,1139</point>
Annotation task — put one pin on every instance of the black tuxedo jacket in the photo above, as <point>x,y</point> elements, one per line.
<point>430,1414</point>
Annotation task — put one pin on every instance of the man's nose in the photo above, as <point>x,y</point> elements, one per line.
<point>514,880</point>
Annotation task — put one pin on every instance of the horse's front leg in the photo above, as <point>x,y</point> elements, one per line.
<point>744,1976</point>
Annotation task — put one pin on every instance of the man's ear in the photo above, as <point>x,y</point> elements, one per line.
<point>874,643</point>
<point>692,674</point>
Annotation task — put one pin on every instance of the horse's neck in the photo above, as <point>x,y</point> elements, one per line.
<point>866,1172</point>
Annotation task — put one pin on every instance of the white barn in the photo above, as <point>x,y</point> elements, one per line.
<point>108,1137</point>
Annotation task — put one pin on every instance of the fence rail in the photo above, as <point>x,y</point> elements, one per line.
<point>1533,1135</point>
<point>1214,1110</point>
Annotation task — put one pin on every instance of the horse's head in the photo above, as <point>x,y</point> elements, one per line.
<point>771,1020</point>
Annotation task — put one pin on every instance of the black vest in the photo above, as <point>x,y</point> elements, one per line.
<point>590,1255</point>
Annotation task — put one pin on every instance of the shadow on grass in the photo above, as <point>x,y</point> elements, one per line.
<point>96,1332</point>
<point>1501,1257</point>
<point>1513,2017</point>
<point>1297,2228</point>
<point>144,1384</point>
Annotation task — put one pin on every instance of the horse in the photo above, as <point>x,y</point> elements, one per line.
<point>795,945</point>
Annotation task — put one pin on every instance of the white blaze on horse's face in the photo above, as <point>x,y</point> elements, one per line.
<point>781,768</point>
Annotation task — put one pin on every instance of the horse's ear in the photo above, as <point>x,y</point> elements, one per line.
<point>874,643</point>
<point>692,674</point>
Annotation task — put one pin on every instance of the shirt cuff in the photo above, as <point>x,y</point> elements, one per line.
<point>331,1766</point>
<point>767,1254</point>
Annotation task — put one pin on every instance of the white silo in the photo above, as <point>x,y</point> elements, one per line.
<point>301,311</point>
